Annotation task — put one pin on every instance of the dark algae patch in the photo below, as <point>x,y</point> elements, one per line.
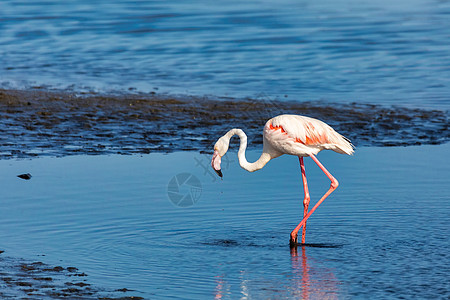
<point>37,280</point>
<point>56,123</point>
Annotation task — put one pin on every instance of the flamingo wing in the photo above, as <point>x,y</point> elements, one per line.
<point>300,135</point>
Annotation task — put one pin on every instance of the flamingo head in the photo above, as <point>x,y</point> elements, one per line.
<point>220,148</point>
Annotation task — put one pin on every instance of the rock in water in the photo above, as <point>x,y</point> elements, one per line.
<point>26,176</point>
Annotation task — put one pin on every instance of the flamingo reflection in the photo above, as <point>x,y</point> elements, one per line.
<point>308,280</point>
<point>311,283</point>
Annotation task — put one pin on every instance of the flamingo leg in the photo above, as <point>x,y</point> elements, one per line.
<point>307,198</point>
<point>333,186</point>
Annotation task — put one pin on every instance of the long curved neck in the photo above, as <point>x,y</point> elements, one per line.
<point>251,167</point>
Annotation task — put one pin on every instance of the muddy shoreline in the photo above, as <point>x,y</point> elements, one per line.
<point>39,122</point>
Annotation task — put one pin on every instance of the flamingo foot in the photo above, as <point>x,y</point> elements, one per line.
<point>293,241</point>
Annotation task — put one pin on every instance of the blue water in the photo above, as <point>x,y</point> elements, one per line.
<point>381,52</point>
<point>384,232</point>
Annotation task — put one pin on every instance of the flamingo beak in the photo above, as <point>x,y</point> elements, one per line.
<point>215,163</point>
<point>219,172</point>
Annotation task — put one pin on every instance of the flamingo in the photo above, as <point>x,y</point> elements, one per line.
<point>294,135</point>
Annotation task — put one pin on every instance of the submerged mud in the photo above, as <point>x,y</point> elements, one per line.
<point>39,122</point>
<point>21,279</point>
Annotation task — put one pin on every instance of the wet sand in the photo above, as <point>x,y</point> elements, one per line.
<point>40,122</point>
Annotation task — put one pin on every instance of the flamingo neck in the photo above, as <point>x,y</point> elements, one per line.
<point>251,167</point>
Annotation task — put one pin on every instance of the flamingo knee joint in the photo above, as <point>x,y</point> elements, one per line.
<point>306,200</point>
<point>334,183</point>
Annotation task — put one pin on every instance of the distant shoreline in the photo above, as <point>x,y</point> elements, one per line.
<point>59,123</point>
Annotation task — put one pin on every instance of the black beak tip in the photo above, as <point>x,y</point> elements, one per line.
<point>219,172</point>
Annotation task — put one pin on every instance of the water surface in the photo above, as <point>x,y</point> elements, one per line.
<point>383,234</point>
<point>380,52</point>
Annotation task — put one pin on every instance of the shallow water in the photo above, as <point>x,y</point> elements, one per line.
<point>382,234</point>
<point>380,52</point>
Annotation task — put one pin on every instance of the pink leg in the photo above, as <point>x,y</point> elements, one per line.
<point>307,198</point>
<point>334,185</point>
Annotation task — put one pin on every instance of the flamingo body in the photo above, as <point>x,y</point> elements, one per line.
<point>294,135</point>
<point>303,136</point>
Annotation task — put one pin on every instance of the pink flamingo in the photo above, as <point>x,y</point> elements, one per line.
<point>289,134</point>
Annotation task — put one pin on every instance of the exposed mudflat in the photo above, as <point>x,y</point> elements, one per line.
<point>57,123</point>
